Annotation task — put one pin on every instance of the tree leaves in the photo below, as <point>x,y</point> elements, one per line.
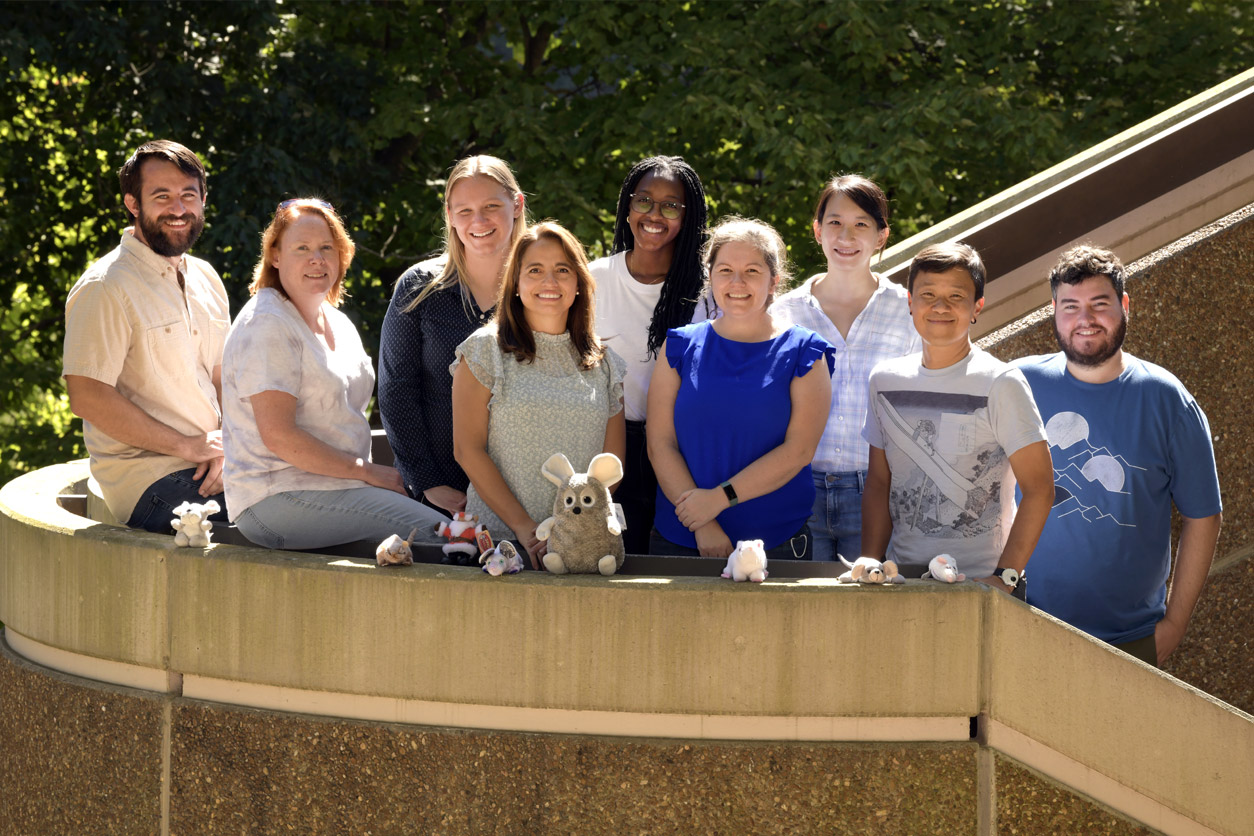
<point>368,104</point>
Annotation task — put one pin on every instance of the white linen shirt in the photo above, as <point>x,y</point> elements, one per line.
<point>271,348</point>
<point>882,330</point>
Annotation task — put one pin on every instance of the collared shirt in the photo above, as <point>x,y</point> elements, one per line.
<point>881,331</point>
<point>127,324</point>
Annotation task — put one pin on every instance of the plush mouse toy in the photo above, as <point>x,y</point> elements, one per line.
<point>747,562</point>
<point>192,527</point>
<point>502,560</point>
<point>395,552</point>
<point>461,532</point>
<point>584,534</point>
<point>944,568</point>
<point>869,570</point>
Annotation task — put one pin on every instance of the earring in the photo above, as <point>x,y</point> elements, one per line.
<point>972,320</point>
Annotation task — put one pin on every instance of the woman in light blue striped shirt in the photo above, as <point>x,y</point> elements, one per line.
<point>866,317</point>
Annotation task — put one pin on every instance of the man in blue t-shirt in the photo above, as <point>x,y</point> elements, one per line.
<point>1127,440</point>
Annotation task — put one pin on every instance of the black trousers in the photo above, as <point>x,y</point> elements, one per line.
<point>638,491</point>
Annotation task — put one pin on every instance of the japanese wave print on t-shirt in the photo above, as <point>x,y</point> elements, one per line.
<point>950,487</point>
<point>1086,478</point>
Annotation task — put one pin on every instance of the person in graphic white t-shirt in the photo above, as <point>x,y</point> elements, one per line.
<point>951,431</point>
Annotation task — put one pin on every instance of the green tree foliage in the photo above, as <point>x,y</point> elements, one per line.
<point>368,105</point>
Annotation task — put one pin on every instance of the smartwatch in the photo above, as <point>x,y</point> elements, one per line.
<point>730,493</point>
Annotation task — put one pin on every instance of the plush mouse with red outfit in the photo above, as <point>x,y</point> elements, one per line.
<point>462,534</point>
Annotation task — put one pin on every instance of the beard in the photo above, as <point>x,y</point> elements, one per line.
<point>1100,353</point>
<point>170,245</point>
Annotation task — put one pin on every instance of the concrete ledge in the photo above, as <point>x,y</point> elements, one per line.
<point>455,635</point>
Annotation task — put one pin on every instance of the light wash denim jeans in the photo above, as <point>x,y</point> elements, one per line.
<point>315,519</point>
<point>836,522</point>
<point>155,509</point>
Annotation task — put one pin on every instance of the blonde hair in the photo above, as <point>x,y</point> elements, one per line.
<point>454,251</point>
<point>759,235</point>
<point>266,274</point>
<point>513,333</point>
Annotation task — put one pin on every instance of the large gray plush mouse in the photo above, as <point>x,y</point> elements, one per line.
<point>584,534</point>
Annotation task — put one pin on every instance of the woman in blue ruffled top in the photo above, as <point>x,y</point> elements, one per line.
<point>737,410</point>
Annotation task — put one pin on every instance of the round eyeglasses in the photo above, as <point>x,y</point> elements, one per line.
<point>668,209</point>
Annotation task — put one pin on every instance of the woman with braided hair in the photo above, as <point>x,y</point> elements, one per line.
<point>650,283</point>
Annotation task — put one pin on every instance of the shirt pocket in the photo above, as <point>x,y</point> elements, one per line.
<point>886,344</point>
<point>211,338</point>
<point>169,351</point>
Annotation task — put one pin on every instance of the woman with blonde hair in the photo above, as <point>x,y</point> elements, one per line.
<point>296,384</point>
<point>534,382</point>
<point>436,305</point>
<point>737,409</point>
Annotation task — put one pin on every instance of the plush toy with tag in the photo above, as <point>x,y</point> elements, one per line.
<point>869,570</point>
<point>584,534</point>
<point>502,560</point>
<point>461,532</point>
<point>944,568</point>
<point>747,562</point>
<point>395,552</point>
<point>192,526</point>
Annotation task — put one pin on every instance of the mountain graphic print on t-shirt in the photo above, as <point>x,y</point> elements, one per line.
<point>1085,476</point>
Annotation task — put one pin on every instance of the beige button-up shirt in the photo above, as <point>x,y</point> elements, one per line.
<point>128,324</point>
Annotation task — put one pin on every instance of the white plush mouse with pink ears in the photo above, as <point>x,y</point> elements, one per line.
<point>944,568</point>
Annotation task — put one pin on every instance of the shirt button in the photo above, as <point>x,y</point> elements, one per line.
<point>840,417</point>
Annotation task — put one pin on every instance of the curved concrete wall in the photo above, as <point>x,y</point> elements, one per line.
<point>815,689</point>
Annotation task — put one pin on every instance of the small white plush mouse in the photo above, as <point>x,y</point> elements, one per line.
<point>747,562</point>
<point>944,568</point>
<point>192,526</point>
<point>869,570</point>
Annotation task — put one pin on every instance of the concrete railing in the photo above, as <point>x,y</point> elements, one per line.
<point>688,658</point>
<point>1140,190</point>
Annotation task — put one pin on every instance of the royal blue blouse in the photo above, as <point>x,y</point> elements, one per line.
<point>733,407</point>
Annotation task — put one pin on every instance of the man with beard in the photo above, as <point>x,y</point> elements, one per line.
<point>144,330</point>
<point>1127,440</point>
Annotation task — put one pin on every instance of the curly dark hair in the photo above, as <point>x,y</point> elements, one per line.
<point>684,280</point>
<point>1078,263</point>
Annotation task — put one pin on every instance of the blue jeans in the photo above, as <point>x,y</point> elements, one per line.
<point>836,522</point>
<point>315,519</point>
<point>155,509</point>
